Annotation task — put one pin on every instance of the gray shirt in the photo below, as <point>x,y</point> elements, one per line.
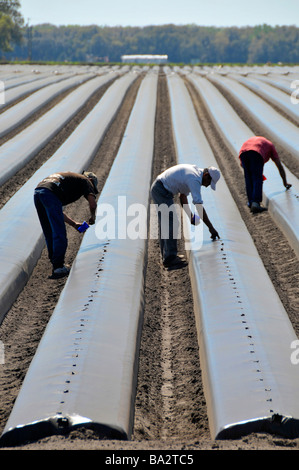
<point>183,179</point>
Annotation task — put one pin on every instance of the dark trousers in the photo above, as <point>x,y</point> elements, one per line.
<point>168,222</point>
<point>50,213</point>
<point>253,165</point>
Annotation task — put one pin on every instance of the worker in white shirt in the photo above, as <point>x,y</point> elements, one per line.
<point>182,179</point>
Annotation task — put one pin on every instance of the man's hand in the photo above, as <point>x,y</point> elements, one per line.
<point>282,174</point>
<point>195,219</point>
<point>214,234</point>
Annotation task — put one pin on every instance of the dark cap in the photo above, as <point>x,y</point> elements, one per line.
<point>93,178</point>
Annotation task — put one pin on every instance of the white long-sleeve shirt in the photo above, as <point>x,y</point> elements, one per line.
<point>183,179</point>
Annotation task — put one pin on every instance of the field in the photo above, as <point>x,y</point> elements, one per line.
<point>170,406</point>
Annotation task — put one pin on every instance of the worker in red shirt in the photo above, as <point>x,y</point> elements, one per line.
<point>254,153</point>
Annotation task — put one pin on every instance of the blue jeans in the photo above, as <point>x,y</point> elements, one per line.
<point>253,165</point>
<point>167,237</point>
<point>50,213</point>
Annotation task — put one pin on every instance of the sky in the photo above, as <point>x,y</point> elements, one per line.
<point>158,12</point>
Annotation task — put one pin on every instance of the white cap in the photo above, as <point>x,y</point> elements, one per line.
<point>215,175</point>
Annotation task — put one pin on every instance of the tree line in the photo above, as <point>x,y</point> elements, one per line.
<point>182,43</point>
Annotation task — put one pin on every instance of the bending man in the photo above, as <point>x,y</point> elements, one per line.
<point>50,195</point>
<point>181,179</point>
<point>254,153</point>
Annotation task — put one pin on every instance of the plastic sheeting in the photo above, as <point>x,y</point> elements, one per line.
<point>15,93</point>
<point>15,79</point>
<point>282,204</point>
<point>278,127</point>
<point>19,150</point>
<point>280,82</point>
<point>18,113</point>
<point>270,93</point>
<point>20,249</point>
<point>84,371</point>
<point>245,336</point>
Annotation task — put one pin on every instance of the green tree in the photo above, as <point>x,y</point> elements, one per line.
<point>11,22</point>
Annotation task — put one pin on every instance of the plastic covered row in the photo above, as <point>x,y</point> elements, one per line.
<point>278,127</point>
<point>21,111</point>
<point>85,368</point>
<point>282,204</point>
<point>19,150</point>
<point>271,94</point>
<point>21,236</point>
<point>21,90</point>
<point>246,340</point>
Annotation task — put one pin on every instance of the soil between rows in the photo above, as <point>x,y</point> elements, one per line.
<point>170,405</point>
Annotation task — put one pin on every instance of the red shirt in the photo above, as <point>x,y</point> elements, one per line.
<point>262,146</point>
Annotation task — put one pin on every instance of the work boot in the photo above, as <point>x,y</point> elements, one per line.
<point>256,208</point>
<point>175,262</point>
<point>60,272</point>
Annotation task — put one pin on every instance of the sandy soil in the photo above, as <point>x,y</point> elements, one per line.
<point>170,411</point>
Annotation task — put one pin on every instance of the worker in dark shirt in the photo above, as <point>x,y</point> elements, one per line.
<point>50,196</point>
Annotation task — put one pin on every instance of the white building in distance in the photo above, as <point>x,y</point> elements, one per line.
<point>145,58</point>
